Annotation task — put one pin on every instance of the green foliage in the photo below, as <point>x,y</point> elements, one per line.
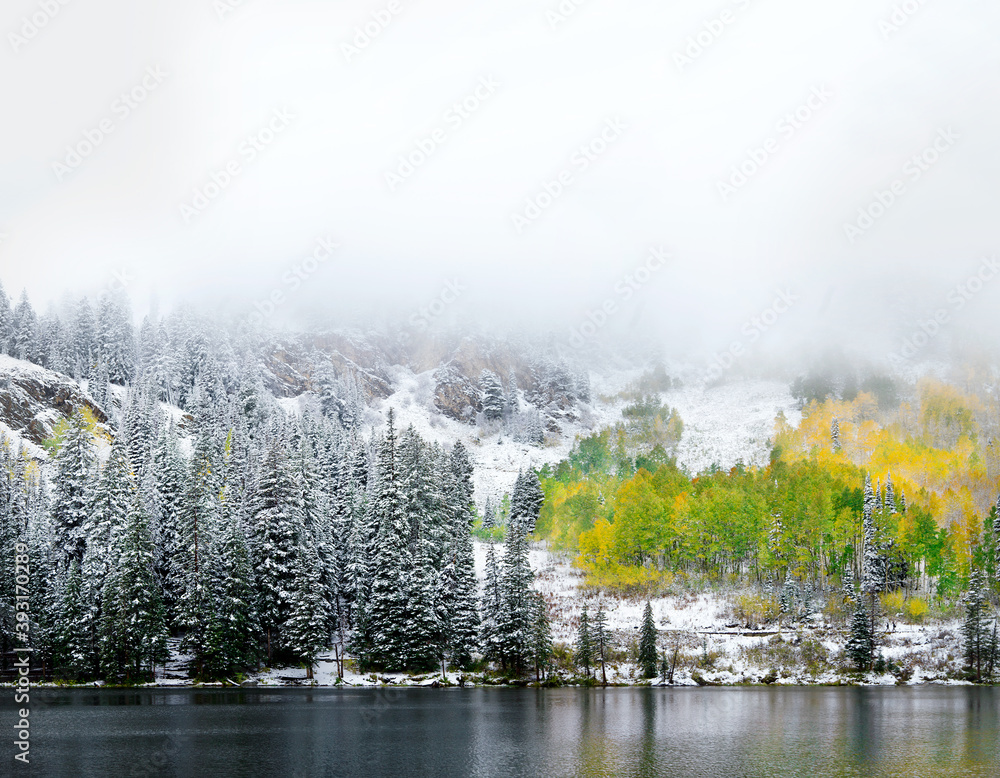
<point>490,534</point>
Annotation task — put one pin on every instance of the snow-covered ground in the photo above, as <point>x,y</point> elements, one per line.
<point>731,422</point>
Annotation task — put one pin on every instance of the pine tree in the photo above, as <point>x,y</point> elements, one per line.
<point>541,638</point>
<point>491,394</point>
<point>276,529</point>
<point>490,608</point>
<point>599,634</point>
<point>110,505</point>
<point>6,322</point>
<point>24,342</point>
<point>307,631</point>
<point>71,651</point>
<point>426,621</point>
<point>73,462</point>
<point>169,479</point>
<point>133,628</point>
<point>526,499</point>
<point>847,584</point>
<point>978,648</point>
<point>871,570</point>
<point>511,404</point>
<point>383,641</point>
<point>84,340</point>
<point>860,647</point>
<point>789,595</point>
<point>514,620</point>
<point>457,594</point>
<point>116,338</point>
<point>584,654</point>
<point>890,496</point>
<point>489,515</point>
<point>835,433</point>
<point>647,643</point>
<point>232,633</point>
<point>461,469</point>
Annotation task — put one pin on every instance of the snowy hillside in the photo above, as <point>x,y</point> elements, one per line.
<point>723,424</point>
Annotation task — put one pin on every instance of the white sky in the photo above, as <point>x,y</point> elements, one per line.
<point>656,184</point>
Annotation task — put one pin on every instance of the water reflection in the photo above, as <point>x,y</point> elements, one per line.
<point>929,731</point>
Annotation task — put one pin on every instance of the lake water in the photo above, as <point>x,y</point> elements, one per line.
<point>818,731</point>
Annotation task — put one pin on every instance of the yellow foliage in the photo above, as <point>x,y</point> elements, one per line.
<point>754,609</point>
<point>892,602</point>
<point>915,609</point>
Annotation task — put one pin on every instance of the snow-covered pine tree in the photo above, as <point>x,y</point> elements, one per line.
<point>133,634</point>
<point>860,647</point>
<point>318,530</point>
<point>110,505</point>
<point>458,591</point>
<point>512,403</point>
<point>461,468</point>
<point>25,343</point>
<point>73,463</point>
<point>514,620</point>
<point>277,527</point>
<point>871,568</point>
<point>84,340</point>
<point>424,629</point>
<point>847,584</point>
<point>6,322</point>
<point>890,496</point>
<point>526,499</point>
<point>232,635</point>
<point>72,640</point>
<point>348,513</point>
<point>418,492</point>
<point>599,632</point>
<point>140,419</point>
<point>169,479</point>
<point>835,433</point>
<point>583,654</point>
<point>647,643</point>
<point>788,599</point>
<point>112,500</point>
<point>489,514</point>
<point>977,628</point>
<point>116,338</point>
<point>307,630</point>
<point>490,609</point>
<point>492,396</point>
<point>383,639</point>
<point>541,638</point>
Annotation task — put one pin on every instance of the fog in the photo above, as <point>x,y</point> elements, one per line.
<point>775,174</point>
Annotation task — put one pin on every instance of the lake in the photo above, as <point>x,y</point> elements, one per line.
<point>745,731</point>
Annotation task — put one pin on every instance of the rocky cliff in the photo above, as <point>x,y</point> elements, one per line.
<point>33,400</point>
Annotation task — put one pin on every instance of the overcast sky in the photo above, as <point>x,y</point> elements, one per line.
<point>642,109</point>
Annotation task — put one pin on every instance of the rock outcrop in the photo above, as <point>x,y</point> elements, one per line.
<point>33,400</point>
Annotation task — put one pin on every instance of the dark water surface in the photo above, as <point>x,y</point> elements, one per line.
<point>925,731</point>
